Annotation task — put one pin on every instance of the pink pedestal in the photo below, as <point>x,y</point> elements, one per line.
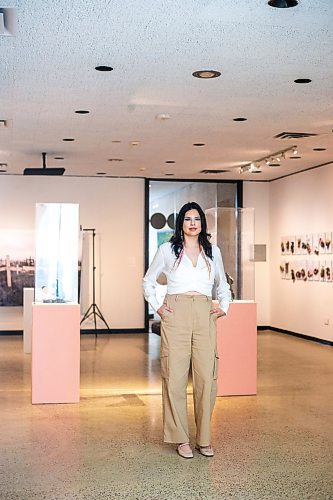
<point>237,348</point>
<point>55,353</point>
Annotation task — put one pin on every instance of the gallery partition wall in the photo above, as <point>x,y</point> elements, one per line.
<point>163,199</point>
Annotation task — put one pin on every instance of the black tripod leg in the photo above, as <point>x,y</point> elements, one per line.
<point>86,315</point>
<point>100,315</point>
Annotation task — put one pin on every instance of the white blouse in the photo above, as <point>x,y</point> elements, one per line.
<point>184,277</point>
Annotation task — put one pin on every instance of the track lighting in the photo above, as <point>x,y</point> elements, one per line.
<point>271,160</point>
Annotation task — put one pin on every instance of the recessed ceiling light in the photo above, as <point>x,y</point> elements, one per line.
<point>69,139</point>
<point>169,174</point>
<point>135,143</point>
<point>302,80</point>
<point>199,144</point>
<point>103,68</point>
<point>274,164</point>
<point>59,158</point>
<point>170,161</point>
<point>142,169</point>
<point>82,111</point>
<point>240,119</point>
<point>294,157</point>
<point>116,141</point>
<point>163,116</point>
<point>257,171</point>
<point>283,4</point>
<point>206,73</point>
<point>115,159</point>
<point>100,173</point>
<point>319,149</point>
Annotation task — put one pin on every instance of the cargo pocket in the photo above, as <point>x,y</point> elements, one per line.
<point>216,366</point>
<point>165,365</point>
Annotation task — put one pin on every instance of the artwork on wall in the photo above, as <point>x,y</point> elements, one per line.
<point>309,269</point>
<point>309,244</point>
<point>17,265</point>
<point>283,270</point>
<point>328,242</point>
<point>287,270</point>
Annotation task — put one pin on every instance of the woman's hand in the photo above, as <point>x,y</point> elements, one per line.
<point>218,311</point>
<point>161,311</point>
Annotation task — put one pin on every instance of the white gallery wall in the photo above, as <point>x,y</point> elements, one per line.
<point>115,208</point>
<point>301,204</point>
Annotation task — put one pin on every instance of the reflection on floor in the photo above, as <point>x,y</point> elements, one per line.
<point>277,445</point>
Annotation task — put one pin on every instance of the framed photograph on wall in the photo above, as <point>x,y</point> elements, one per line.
<point>309,271</point>
<point>17,265</point>
<point>303,245</point>
<point>292,245</point>
<point>322,276</point>
<point>309,244</point>
<point>301,270</point>
<point>283,246</point>
<point>321,243</point>
<point>315,243</point>
<point>328,242</point>
<point>287,270</point>
<point>328,270</point>
<point>316,270</point>
<point>283,269</point>
<point>287,244</point>
<point>298,245</point>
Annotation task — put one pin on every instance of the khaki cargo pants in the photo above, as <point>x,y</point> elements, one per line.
<point>188,335</point>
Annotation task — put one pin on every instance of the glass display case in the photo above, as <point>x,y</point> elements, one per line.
<point>57,253</point>
<point>232,230</point>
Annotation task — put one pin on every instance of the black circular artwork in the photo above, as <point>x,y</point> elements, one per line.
<point>158,221</point>
<point>171,220</point>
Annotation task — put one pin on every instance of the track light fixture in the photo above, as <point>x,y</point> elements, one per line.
<point>272,160</point>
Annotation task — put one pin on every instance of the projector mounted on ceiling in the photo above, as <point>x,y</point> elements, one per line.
<point>44,170</point>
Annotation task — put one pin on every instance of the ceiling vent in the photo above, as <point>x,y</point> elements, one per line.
<point>8,22</point>
<point>294,135</point>
<point>44,170</point>
<point>213,171</point>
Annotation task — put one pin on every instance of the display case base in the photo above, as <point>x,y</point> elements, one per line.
<point>237,349</point>
<point>55,353</point>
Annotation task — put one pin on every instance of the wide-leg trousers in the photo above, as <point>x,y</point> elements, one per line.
<point>188,337</point>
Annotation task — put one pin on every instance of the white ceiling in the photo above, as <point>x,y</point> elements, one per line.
<point>47,72</point>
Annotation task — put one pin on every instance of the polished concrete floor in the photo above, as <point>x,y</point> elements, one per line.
<point>276,445</point>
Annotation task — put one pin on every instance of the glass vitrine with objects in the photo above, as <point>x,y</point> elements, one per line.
<point>232,229</point>
<point>57,253</point>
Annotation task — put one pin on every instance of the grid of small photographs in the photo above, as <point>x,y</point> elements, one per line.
<point>314,266</point>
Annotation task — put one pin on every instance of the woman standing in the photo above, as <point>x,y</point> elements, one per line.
<point>188,326</point>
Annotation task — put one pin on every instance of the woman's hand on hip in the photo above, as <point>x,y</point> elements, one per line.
<point>163,309</point>
<point>218,311</point>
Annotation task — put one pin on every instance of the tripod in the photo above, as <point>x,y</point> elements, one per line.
<point>93,309</point>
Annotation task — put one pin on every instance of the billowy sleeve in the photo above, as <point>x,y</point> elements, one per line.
<point>223,293</point>
<point>150,280</point>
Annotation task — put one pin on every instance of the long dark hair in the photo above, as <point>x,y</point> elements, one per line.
<point>177,240</point>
